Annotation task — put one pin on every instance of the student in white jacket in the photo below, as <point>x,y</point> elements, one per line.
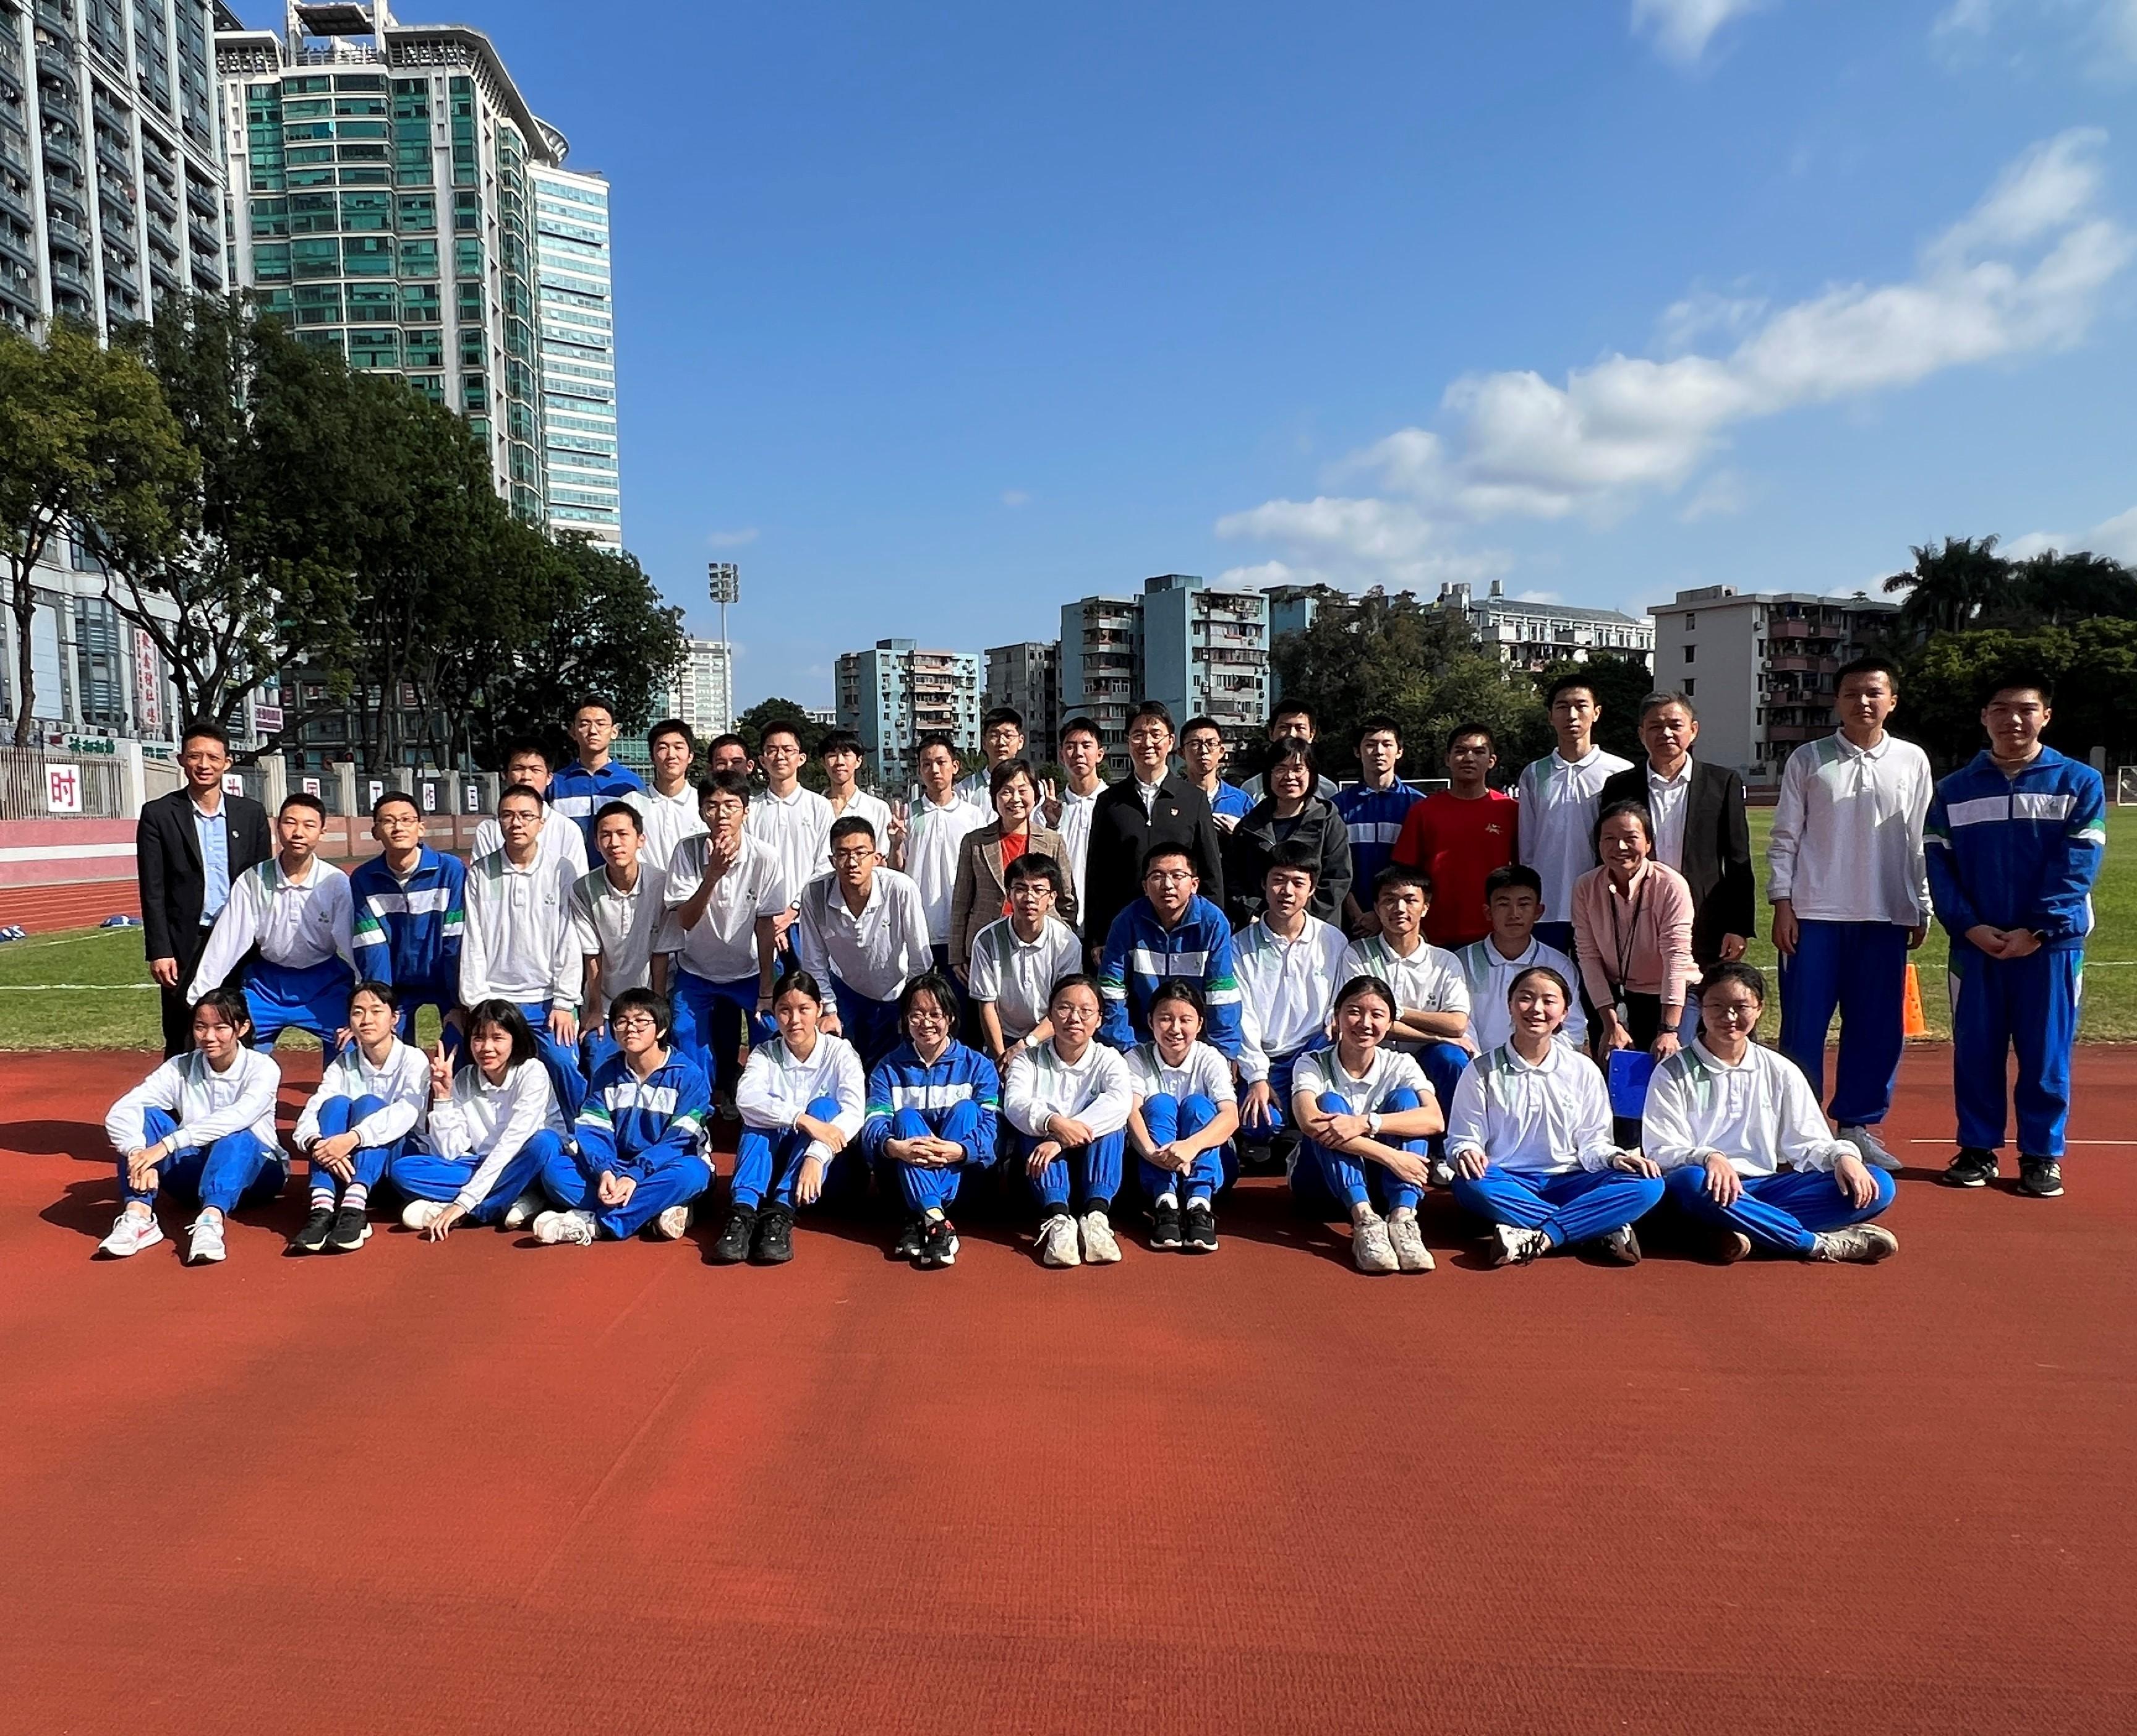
<point>1067,1100</point>
<point>802,1100</point>
<point>493,1125</point>
<point>1737,1130</point>
<point>517,944</point>
<point>202,1123</point>
<point>370,1107</point>
<point>1184,1114</point>
<point>1528,1137</point>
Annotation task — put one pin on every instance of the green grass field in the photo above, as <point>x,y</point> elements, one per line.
<point>89,989</point>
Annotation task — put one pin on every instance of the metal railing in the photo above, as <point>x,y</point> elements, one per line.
<point>38,783</point>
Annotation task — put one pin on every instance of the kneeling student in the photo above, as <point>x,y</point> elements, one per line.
<point>1369,1117</point>
<point>203,1123</point>
<point>1184,1115</point>
<point>932,1104</point>
<point>1068,1099</point>
<point>369,1110</point>
<point>638,1134</point>
<point>494,1127</point>
<point>1530,1137</point>
<point>801,1101</point>
<point>1737,1129</point>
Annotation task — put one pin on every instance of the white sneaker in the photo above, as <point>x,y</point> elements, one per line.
<point>1411,1253</point>
<point>1862,1245</point>
<point>1099,1247</point>
<point>1518,1246</point>
<point>1057,1242</point>
<point>578,1228</point>
<point>1874,1153</point>
<point>1370,1249</point>
<point>524,1209</point>
<point>673,1224</point>
<point>206,1247</point>
<point>420,1215</point>
<point>1440,1172</point>
<point>133,1231</point>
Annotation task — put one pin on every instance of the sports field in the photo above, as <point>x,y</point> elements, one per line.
<point>89,989</point>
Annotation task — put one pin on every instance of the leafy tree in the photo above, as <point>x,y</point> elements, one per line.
<point>84,439</point>
<point>2057,590</point>
<point>1619,683</point>
<point>2093,664</point>
<point>1947,588</point>
<point>753,723</point>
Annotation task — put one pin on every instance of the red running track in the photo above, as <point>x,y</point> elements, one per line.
<point>478,1487</point>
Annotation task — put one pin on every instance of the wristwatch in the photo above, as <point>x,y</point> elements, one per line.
<point>1373,1125</point>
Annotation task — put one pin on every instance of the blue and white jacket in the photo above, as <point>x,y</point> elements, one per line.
<point>633,1122</point>
<point>901,1080</point>
<point>578,795</point>
<point>1141,952</point>
<point>2018,852</point>
<point>1375,820</point>
<point>408,932</point>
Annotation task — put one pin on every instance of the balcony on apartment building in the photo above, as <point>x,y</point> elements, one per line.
<point>1793,663</point>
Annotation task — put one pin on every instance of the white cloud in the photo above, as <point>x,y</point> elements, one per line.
<point>1013,498</point>
<point>1966,17</point>
<point>2115,538</point>
<point>1703,314</point>
<point>1681,29</point>
<point>732,539</point>
<point>1724,493</point>
<point>2099,28</point>
<point>2022,272</point>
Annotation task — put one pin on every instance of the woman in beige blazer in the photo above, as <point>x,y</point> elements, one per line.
<point>981,893</point>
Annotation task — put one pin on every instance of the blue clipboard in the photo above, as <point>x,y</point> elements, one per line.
<point>1629,1071</point>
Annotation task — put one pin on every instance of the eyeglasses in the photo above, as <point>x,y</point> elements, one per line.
<point>634,1021</point>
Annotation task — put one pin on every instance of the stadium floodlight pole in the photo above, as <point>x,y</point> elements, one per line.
<point>724,585</point>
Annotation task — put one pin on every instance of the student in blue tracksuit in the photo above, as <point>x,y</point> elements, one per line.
<point>1170,933</point>
<point>373,1100</point>
<point>1373,811</point>
<point>638,1135</point>
<point>577,791</point>
<point>932,1111</point>
<point>408,913</point>
<point>2014,841</point>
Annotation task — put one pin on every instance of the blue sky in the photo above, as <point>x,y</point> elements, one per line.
<point>935,317</point>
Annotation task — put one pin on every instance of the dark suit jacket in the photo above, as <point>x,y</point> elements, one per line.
<point>1121,835</point>
<point>173,878</point>
<point>1717,852</point>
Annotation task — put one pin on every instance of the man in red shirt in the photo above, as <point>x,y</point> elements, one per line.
<point>1459,835</point>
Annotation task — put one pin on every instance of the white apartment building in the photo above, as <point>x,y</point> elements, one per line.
<point>897,691</point>
<point>702,695</point>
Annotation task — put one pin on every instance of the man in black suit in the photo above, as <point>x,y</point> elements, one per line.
<point>1700,830</point>
<point>1154,804</point>
<point>191,846</point>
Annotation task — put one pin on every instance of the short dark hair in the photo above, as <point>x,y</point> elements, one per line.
<point>724,783</point>
<point>1035,866</point>
<point>1460,730</point>
<point>1401,874</point>
<point>929,983</point>
<point>846,825</point>
<point>1565,683</point>
<point>2017,681</point>
<point>378,991</point>
<point>1074,979</point>
<point>594,702</point>
<point>1656,700</point>
<point>1003,714</point>
<point>1082,726</point>
<point>1366,985</point>
<point>1007,773</point>
<point>1745,976</point>
<point>727,738</point>
<point>1297,856</point>
<point>1373,724</point>
<point>671,726</point>
<point>1152,708</point>
<point>1193,723</point>
<point>1549,975</point>
<point>512,1021</point>
<point>839,741</point>
<point>797,981</point>
<point>1161,850</point>
<point>302,799</point>
<point>1291,707</point>
<point>204,729</point>
<point>528,790</point>
<point>1298,747</point>
<point>231,1003</point>
<point>644,999</point>
<point>935,739</point>
<point>1871,664</point>
<point>610,810</point>
<point>521,746</point>
<point>1512,877</point>
<point>1618,808</point>
<point>390,798</point>
<point>1178,989</point>
<point>780,726</point>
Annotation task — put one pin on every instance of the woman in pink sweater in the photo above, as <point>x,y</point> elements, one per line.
<point>1632,933</point>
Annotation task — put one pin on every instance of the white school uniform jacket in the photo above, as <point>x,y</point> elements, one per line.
<point>560,839</point>
<point>1490,974</point>
<point>1075,829</point>
<point>1559,798</point>
<point>1018,976</point>
<point>1548,1119</point>
<point>1392,1070</point>
<point>623,929</point>
<point>876,951</point>
<point>207,1105</point>
<point>1760,1115</point>
<point>1847,833</point>
<point>862,805</point>
<point>490,1122</point>
<point>1203,1072</point>
<point>798,828</point>
<point>668,819</point>
<point>1430,980</point>
<point>296,923</point>
<point>1287,989</point>
<point>777,1086</point>
<point>934,837</point>
<point>722,946</point>
<point>402,1085</point>
<point>517,943</point>
<point>1096,1090</point>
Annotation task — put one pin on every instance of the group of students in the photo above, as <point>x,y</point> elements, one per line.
<point>902,1000</point>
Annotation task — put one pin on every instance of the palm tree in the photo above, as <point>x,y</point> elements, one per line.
<point>1949,588</point>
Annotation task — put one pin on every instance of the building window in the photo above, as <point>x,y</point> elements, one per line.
<point>1689,685</point>
<point>1689,651</point>
<point>1690,619</point>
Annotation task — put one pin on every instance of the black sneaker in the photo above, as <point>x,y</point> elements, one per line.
<point>733,1248</point>
<point>1973,1167</point>
<point>1201,1237</point>
<point>911,1241</point>
<point>318,1227</point>
<point>2039,1178</point>
<point>774,1236</point>
<point>1165,1228</point>
<point>1618,1247</point>
<point>352,1229</point>
<point>941,1244</point>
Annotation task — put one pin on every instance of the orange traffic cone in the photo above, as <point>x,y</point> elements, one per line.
<point>1912,1022</point>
